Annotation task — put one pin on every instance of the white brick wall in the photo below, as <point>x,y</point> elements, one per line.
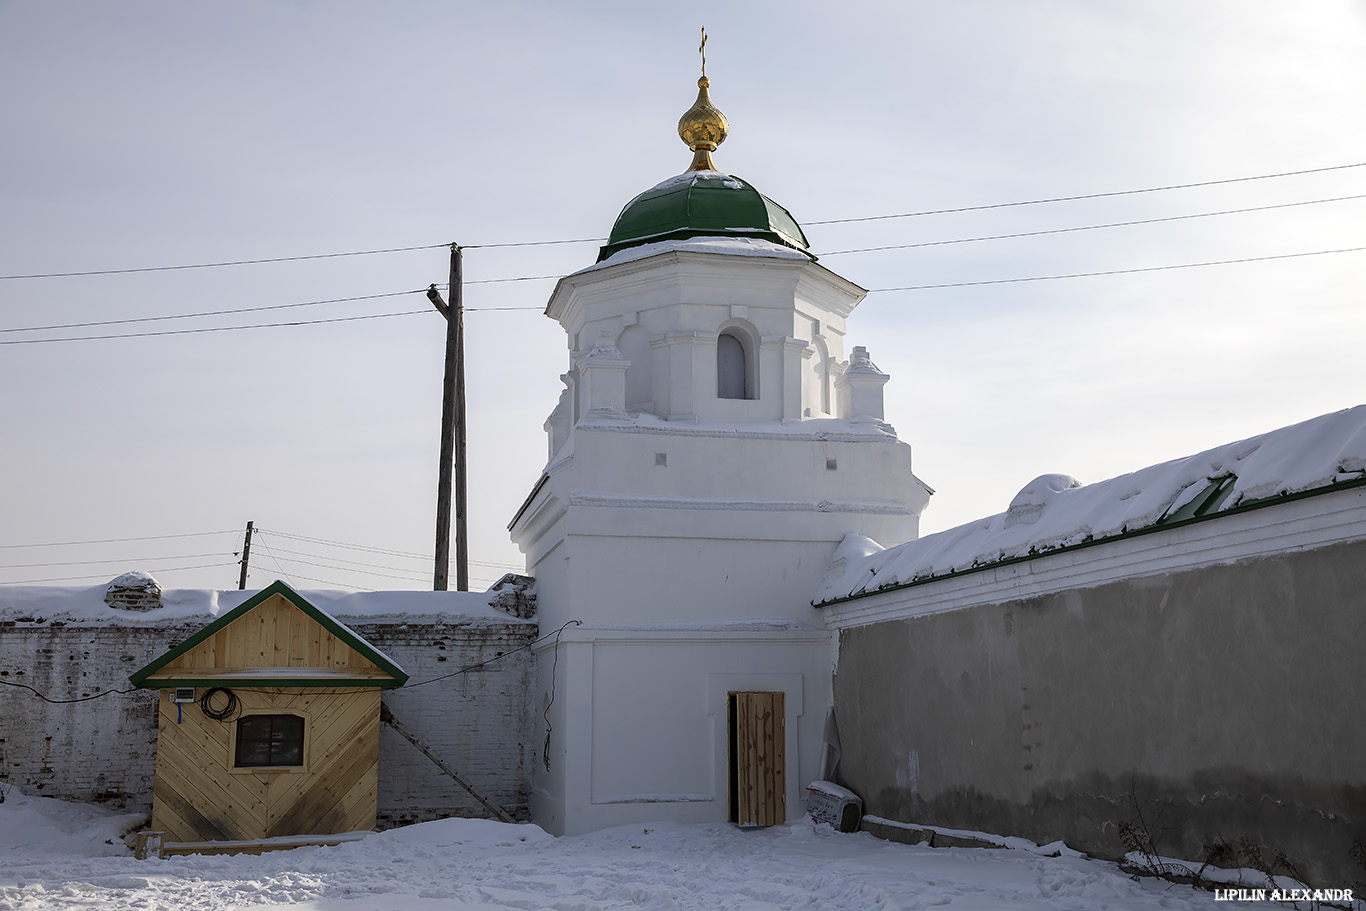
<point>482,721</point>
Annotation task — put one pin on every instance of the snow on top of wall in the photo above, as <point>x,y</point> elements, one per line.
<point>733,246</point>
<point>86,606</point>
<point>820,429</point>
<point>738,625</point>
<point>1055,511</point>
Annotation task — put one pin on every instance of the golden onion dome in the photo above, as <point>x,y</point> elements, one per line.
<point>702,127</point>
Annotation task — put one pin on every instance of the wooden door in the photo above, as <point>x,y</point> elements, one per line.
<point>758,775</point>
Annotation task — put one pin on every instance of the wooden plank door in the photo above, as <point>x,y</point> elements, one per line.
<point>758,774</point>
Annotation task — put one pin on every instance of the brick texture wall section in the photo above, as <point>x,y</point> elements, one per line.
<point>479,718</point>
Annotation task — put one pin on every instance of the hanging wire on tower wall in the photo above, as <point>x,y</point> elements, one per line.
<point>554,665</point>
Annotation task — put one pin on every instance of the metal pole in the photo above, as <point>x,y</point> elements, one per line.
<point>452,438</point>
<point>246,558</point>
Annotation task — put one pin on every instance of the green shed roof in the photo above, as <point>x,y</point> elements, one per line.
<point>702,204</point>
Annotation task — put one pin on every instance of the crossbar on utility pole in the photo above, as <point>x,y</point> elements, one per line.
<point>452,438</point>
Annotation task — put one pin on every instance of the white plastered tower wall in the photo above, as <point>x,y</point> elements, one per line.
<point>687,531</point>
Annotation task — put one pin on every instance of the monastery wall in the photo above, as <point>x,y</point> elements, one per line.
<point>104,750</point>
<point>1203,705</point>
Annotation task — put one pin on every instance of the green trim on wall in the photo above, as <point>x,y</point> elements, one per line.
<point>1201,511</point>
<point>246,683</point>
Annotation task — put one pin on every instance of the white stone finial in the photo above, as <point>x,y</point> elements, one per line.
<point>860,388</point>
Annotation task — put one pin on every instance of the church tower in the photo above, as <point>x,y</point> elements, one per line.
<point>715,441</point>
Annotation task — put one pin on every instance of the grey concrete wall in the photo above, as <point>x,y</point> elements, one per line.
<point>1221,703</point>
<point>104,750</point>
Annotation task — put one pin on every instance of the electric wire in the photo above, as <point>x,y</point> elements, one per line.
<point>412,577</point>
<point>161,569</point>
<point>828,221</point>
<point>1106,195</point>
<point>1117,224</point>
<point>266,548</point>
<point>233,703</point>
<point>377,550</point>
<point>229,708</point>
<point>922,244</point>
<point>307,322</point>
<point>536,243</point>
<point>928,287</point>
<point>1133,271</point>
<point>47,698</point>
<point>193,534</point>
<point>399,569</point>
<point>154,319</point>
<point>98,562</point>
<point>215,265</point>
<point>521,648</point>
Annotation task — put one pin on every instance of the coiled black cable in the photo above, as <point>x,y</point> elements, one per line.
<point>229,708</point>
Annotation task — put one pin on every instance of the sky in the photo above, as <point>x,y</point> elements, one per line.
<point>144,134</point>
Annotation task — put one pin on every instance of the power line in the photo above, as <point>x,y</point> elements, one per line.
<point>364,547</point>
<point>163,569</point>
<point>100,562</point>
<point>829,221</point>
<point>1116,224</point>
<point>399,569</point>
<point>266,548</point>
<point>364,572</point>
<point>931,243</point>
<point>536,243</point>
<point>372,549</point>
<point>153,319</point>
<point>66,701</point>
<point>1045,278</point>
<point>193,534</point>
<point>215,265</point>
<point>920,287</point>
<point>305,322</point>
<point>1110,194</point>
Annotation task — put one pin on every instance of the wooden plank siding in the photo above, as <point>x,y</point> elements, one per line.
<point>200,796</point>
<point>274,634</point>
<point>758,772</point>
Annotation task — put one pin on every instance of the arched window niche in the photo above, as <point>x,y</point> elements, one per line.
<point>821,375</point>
<point>634,345</point>
<point>737,361</point>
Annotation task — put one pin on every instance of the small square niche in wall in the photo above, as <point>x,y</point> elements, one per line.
<point>831,464</point>
<point>661,458</point>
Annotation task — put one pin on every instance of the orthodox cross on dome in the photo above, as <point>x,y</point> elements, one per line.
<point>702,127</point>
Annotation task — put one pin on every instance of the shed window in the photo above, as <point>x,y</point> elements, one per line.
<point>730,367</point>
<point>270,740</point>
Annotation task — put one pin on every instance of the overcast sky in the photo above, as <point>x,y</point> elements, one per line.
<point>147,134</point>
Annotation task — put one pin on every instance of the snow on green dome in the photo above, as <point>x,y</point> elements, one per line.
<point>702,204</point>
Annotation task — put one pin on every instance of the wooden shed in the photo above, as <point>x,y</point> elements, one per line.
<point>268,725</point>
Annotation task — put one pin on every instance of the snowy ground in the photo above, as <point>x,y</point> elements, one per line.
<point>56,855</point>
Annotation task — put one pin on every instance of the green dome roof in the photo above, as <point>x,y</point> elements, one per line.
<point>702,204</point>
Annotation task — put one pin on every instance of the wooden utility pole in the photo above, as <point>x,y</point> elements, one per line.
<point>246,559</point>
<point>452,438</point>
